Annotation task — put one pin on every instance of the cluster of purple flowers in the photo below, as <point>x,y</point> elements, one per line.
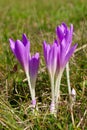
<point>56,57</point>
<point>21,50</point>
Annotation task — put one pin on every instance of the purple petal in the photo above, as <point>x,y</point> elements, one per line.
<point>59,60</point>
<point>26,42</point>
<point>64,25</point>
<point>69,36</point>
<point>62,49</point>
<point>21,50</point>
<point>34,65</point>
<point>71,32</point>
<point>46,49</point>
<point>50,55</point>
<point>21,53</point>
<point>62,31</point>
<point>12,45</point>
<point>33,69</point>
<point>59,33</point>
<point>69,54</point>
<point>24,39</point>
<point>56,41</point>
<point>52,60</point>
<point>65,46</point>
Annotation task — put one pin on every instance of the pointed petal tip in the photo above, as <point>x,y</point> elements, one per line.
<point>25,40</point>
<point>11,40</point>
<point>71,28</point>
<point>64,24</point>
<point>18,41</point>
<point>12,44</point>
<point>19,44</point>
<point>37,55</point>
<point>24,36</point>
<point>44,42</point>
<point>71,25</point>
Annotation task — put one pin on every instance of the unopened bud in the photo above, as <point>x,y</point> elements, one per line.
<point>73,93</point>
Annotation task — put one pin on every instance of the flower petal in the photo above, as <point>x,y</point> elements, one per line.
<point>62,31</point>
<point>22,54</point>
<point>33,68</point>
<point>59,33</point>
<point>34,65</point>
<point>12,45</point>
<point>25,40</point>
<point>69,54</point>
<point>46,49</point>
<point>52,60</point>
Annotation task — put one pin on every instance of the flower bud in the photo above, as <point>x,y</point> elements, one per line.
<point>73,94</point>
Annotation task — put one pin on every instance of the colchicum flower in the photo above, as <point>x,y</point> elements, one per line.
<point>50,55</point>
<point>33,70</point>
<point>21,50</point>
<point>65,51</point>
<point>56,57</point>
<point>64,42</point>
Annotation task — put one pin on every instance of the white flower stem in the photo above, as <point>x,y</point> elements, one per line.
<point>52,107</point>
<point>32,92</point>
<point>68,80</point>
<point>57,88</point>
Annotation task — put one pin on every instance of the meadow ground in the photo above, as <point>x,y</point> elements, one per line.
<point>38,20</point>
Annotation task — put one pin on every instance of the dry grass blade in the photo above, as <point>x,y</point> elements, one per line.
<point>8,117</point>
<point>82,118</point>
<point>80,48</point>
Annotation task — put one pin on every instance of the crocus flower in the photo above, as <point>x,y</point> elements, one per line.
<point>21,50</point>
<point>33,70</point>
<point>65,51</point>
<point>57,56</point>
<point>50,55</point>
<point>64,41</point>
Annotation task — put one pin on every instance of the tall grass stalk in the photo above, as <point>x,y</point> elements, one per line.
<point>69,90</point>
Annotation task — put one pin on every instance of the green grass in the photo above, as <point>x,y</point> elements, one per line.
<point>38,19</point>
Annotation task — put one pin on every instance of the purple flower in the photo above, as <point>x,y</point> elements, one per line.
<point>21,50</point>
<point>62,31</point>
<point>56,57</point>
<point>65,51</point>
<point>33,68</point>
<point>64,41</point>
<point>61,50</point>
<point>50,55</point>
